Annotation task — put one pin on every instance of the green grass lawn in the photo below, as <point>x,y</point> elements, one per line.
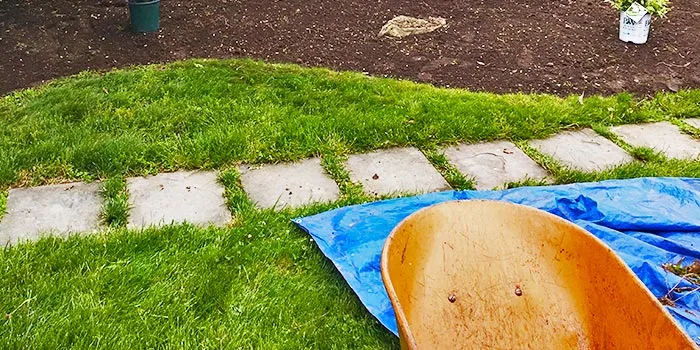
<point>261,282</point>
<point>258,285</point>
<point>204,114</point>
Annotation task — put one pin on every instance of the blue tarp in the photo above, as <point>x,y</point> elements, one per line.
<point>647,222</point>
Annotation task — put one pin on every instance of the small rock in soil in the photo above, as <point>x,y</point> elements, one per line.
<point>423,76</point>
<point>401,26</point>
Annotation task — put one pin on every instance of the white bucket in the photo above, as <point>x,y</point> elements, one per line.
<point>634,31</point>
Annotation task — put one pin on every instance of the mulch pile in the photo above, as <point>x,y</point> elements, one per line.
<point>559,47</point>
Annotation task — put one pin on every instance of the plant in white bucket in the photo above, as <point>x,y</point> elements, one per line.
<point>635,17</point>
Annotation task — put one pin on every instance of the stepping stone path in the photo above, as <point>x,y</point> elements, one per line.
<point>695,122</point>
<point>583,150</point>
<point>288,185</point>
<point>393,171</point>
<point>184,196</point>
<point>494,164</point>
<point>663,136</point>
<point>55,209</point>
<point>197,197</point>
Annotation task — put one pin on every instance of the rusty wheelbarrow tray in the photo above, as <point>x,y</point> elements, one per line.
<point>494,275</point>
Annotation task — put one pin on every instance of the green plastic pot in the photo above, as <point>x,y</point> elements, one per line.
<point>145,16</point>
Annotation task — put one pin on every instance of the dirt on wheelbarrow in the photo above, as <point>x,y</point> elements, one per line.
<point>559,47</point>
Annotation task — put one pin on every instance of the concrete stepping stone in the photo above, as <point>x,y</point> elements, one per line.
<point>694,122</point>
<point>173,198</point>
<point>392,171</point>
<point>662,137</point>
<point>56,209</point>
<point>288,185</point>
<point>494,164</point>
<point>583,150</point>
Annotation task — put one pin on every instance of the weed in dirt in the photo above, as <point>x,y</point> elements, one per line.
<point>666,300</point>
<point>690,273</point>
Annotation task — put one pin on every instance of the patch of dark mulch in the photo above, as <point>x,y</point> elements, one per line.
<point>556,46</point>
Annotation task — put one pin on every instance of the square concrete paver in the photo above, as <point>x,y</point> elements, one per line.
<point>694,122</point>
<point>288,185</point>
<point>662,137</point>
<point>583,150</point>
<point>398,170</point>
<point>494,164</point>
<point>184,196</point>
<point>54,209</point>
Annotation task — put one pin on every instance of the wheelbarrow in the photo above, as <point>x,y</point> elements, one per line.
<point>494,275</point>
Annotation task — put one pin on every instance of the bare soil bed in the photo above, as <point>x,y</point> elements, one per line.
<point>557,46</point>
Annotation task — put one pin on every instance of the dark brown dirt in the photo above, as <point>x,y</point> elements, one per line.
<point>554,46</point>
